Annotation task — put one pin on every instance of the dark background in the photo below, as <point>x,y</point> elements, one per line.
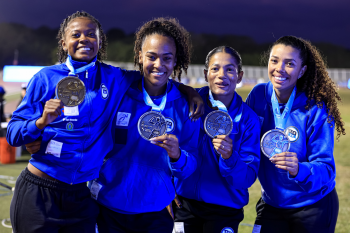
<point>250,26</point>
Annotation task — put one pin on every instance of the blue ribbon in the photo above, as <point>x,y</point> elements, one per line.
<point>216,103</point>
<point>281,119</point>
<point>149,102</point>
<point>74,72</point>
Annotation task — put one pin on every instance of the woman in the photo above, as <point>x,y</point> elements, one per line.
<point>297,175</point>
<point>213,196</point>
<point>135,183</point>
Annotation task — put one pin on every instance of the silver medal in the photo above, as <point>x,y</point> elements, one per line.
<point>71,91</point>
<point>218,123</point>
<point>274,142</point>
<point>152,124</point>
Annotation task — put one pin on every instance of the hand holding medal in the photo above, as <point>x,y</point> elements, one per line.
<point>287,161</point>
<point>223,145</point>
<point>170,143</point>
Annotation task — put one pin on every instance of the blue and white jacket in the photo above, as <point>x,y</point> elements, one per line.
<point>85,137</point>
<point>312,139</point>
<point>137,175</point>
<point>225,181</point>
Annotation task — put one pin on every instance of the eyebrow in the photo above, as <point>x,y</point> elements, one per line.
<point>215,64</point>
<point>290,59</point>
<point>153,53</point>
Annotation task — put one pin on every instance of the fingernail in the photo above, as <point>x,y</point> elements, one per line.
<point>153,142</point>
<point>215,136</point>
<point>190,114</point>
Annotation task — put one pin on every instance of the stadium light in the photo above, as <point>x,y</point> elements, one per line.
<point>20,73</point>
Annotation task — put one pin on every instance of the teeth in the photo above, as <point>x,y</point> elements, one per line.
<point>280,78</point>
<point>160,73</point>
<point>85,48</point>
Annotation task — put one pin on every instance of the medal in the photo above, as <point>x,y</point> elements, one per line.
<point>152,124</point>
<point>276,141</point>
<point>71,90</point>
<point>218,122</point>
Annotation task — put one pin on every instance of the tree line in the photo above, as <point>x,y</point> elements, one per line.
<point>39,47</point>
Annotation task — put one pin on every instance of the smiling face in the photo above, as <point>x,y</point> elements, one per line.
<point>158,57</point>
<point>222,75</point>
<point>81,39</point>
<point>285,67</point>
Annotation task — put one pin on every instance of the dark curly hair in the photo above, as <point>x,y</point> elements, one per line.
<point>62,55</point>
<point>224,49</point>
<point>315,83</point>
<point>169,27</point>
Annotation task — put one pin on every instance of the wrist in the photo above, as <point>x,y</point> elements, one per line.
<point>40,123</point>
<point>176,157</point>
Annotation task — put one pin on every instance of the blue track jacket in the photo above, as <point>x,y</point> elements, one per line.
<point>137,175</point>
<point>219,181</point>
<point>85,137</point>
<point>312,139</point>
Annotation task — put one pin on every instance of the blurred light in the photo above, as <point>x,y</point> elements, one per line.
<point>20,73</point>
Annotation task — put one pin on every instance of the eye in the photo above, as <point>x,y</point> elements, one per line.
<point>290,64</point>
<point>167,58</point>
<point>273,60</point>
<point>151,57</point>
<point>92,34</point>
<point>75,35</point>
<point>214,69</point>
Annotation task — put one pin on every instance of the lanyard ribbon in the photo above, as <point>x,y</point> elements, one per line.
<point>281,119</point>
<point>74,72</point>
<point>149,102</point>
<point>217,103</point>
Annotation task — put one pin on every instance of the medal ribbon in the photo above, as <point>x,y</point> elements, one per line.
<point>216,103</point>
<point>73,71</point>
<point>281,119</point>
<point>149,101</point>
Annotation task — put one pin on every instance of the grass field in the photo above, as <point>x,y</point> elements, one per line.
<point>342,160</point>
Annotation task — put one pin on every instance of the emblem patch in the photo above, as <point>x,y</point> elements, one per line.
<point>123,119</point>
<point>104,91</point>
<point>227,230</point>
<point>293,133</point>
<point>70,126</point>
<point>170,125</point>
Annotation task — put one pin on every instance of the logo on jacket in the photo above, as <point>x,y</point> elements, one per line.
<point>227,230</point>
<point>170,125</point>
<point>292,133</point>
<point>123,119</point>
<point>70,126</point>
<point>104,91</point>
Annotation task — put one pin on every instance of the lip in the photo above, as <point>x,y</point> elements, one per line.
<point>279,79</point>
<point>158,74</point>
<point>222,85</point>
<point>84,49</point>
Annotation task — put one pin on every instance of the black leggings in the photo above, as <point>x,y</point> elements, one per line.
<point>320,217</point>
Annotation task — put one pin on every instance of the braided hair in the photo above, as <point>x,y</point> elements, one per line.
<point>169,27</point>
<point>62,54</point>
<point>315,83</point>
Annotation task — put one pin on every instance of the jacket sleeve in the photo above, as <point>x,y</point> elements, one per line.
<point>319,170</point>
<point>187,162</point>
<point>22,128</point>
<point>241,169</point>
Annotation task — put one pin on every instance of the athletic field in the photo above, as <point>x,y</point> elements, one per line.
<point>341,154</point>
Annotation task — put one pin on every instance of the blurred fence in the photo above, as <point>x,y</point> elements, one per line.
<point>252,74</point>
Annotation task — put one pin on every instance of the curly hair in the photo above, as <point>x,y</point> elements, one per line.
<point>62,54</point>
<point>171,28</point>
<point>315,83</point>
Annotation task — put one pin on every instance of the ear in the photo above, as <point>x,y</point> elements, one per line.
<point>240,77</point>
<point>205,75</point>
<point>140,57</point>
<point>302,71</point>
<point>64,46</point>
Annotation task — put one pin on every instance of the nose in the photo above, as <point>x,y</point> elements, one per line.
<point>83,38</point>
<point>158,63</point>
<point>221,73</point>
<point>280,67</point>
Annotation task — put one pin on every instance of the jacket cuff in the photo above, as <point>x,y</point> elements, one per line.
<point>33,129</point>
<point>230,162</point>
<point>180,163</point>
<point>303,174</point>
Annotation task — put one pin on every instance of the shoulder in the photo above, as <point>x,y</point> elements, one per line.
<point>259,89</point>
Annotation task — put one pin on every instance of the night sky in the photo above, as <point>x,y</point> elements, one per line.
<point>263,20</point>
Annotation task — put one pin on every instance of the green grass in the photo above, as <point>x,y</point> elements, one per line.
<point>341,158</point>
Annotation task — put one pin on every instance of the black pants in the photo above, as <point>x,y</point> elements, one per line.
<point>320,217</point>
<point>109,221</point>
<point>40,205</point>
<point>201,217</point>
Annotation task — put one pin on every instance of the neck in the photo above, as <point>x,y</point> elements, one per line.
<point>153,90</point>
<point>283,96</point>
<point>225,99</point>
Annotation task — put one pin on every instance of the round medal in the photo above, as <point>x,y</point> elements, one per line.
<point>71,91</point>
<point>274,142</point>
<point>218,123</point>
<point>152,124</point>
